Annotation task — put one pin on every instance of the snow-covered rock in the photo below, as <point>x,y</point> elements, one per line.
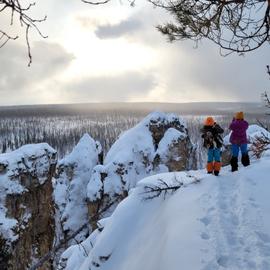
<point>208,223</point>
<point>70,185</point>
<point>26,208</point>
<point>159,143</point>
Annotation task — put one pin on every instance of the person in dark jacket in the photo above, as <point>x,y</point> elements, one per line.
<point>239,140</point>
<point>212,140</point>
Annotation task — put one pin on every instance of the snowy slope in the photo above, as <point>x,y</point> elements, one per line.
<point>218,223</point>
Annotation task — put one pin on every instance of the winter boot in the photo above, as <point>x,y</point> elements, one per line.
<point>245,160</point>
<point>217,167</point>
<point>234,164</point>
<point>209,167</point>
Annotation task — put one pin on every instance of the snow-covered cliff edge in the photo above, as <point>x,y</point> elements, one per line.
<point>208,223</point>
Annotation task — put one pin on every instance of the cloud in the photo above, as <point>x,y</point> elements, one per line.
<point>126,27</point>
<point>175,72</point>
<point>123,87</point>
<point>17,80</point>
<point>188,74</point>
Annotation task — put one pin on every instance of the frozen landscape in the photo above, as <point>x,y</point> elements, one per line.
<point>207,224</point>
<point>134,135</point>
<point>146,204</point>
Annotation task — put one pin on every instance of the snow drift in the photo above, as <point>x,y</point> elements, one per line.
<point>209,223</point>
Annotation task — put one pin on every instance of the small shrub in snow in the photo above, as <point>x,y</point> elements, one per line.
<point>260,145</point>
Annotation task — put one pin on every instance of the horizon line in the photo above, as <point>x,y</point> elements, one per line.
<point>132,102</point>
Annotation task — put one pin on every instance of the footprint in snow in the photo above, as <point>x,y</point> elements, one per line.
<point>250,264</point>
<point>211,209</point>
<point>265,265</point>
<point>223,206</point>
<point>205,220</point>
<point>205,236</point>
<point>223,261</point>
<point>235,220</point>
<point>264,237</point>
<point>254,205</point>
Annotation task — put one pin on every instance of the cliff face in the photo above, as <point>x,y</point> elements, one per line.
<point>160,143</point>
<point>26,207</point>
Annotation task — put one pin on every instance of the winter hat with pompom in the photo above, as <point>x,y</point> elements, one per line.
<point>239,116</point>
<point>209,121</point>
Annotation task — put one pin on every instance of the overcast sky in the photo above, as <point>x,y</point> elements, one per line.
<point>114,53</point>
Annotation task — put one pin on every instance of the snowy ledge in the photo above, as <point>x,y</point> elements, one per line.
<point>132,211</point>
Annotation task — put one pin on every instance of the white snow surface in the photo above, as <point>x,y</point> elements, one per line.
<point>34,159</point>
<point>70,186</point>
<point>138,139</point>
<point>134,153</point>
<point>210,223</point>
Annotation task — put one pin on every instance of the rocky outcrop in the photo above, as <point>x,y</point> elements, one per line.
<point>174,151</point>
<point>70,184</point>
<point>160,143</point>
<point>26,207</point>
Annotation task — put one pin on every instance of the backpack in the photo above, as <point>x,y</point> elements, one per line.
<point>209,140</point>
<point>211,136</point>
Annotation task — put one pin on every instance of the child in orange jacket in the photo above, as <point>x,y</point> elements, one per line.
<point>213,142</point>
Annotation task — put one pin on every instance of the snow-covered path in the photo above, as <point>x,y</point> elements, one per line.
<point>236,223</point>
<point>219,223</point>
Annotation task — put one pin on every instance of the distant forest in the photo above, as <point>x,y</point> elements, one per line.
<point>61,126</point>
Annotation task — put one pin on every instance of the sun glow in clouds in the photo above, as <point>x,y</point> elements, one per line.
<point>97,57</point>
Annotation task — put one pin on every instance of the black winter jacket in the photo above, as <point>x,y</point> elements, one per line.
<point>211,136</point>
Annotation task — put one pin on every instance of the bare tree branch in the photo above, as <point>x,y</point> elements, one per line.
<point>264,96</point>
<point>261,124</point>
<point>4,38</point>
<point>162,188</point>
<point>239,26</point>
<point>20,12</point>
<point>96,3</point>
<point>235,26</point>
